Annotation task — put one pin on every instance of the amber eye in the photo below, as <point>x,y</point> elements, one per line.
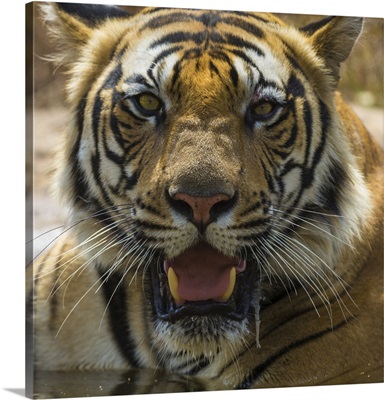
<point>263,109</point>
<point>148,103</point>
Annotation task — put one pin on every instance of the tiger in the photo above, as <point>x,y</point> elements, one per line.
<point>224,203</point>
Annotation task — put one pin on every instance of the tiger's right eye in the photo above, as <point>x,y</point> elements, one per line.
<point>148,104</point>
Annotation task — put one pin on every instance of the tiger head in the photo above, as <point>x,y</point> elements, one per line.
<point>205,159</point>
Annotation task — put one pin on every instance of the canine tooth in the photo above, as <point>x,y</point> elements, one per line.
<point>231,286</point>
<point>173,282</point>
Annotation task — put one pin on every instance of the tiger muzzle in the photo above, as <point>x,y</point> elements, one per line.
<point>201,210</point>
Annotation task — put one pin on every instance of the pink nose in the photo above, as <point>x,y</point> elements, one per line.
<point>201,206</point>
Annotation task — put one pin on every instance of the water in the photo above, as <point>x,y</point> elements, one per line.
<point>67,384</point>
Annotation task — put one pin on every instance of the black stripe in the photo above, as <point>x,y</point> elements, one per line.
<point>282,154</point>
<point>269,158</point>
<point>79,186</point>
<point>297,90</point>
<point>209,19</point>
<point>150,225</point>
<point>155,10</point>
<point>112,155</point>
<point>288,167</point>
<point>277,136</point>
<point>244,25</point>
<point>96,112</point>
<point>131,145</point>
<point>325,119</point>
<point>232,73</point>
<point>234,40</point>
<point>252,16</point>
<point>308,122</point>
<point>307,175</point>
<point>151,209</point>
<point>331,192</point>
<point>105,217</point>
<point>118,317</point>
<point>114,125</point>
<point>168,19</point>
<point>164,54</point>
<point>201,37</point>
<point>213,68</point>
<point>202,362</point>
<point>113,120</point>
<point>95,158</point>
<point>292,137</point>
<point>123,106</point>
<point>234,76</point>
<point>175,76</point>
<point>255,237</point>
<point>266,83</point>
<point>309,172</point>
<point>244,57</point>
<point>131,181</point>
<point>191,54</point>
<point>269,178</point>
<point>260,369</point>
<point>138,151</point>
<point>180,37</point>
<point>285,114</point>
<point>114,77</point>
<point>219,53</point>
<point>123,125</point>
<point>250,209</point>
<point>295,87</point>
<point>252,224</point>
<point>138,78</point>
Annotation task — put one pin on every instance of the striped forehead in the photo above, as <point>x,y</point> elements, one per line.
<point>165,38</point>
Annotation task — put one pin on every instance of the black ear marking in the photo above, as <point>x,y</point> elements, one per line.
<point>92,14</point>
<point>333,39</point>
<point>311,28</point>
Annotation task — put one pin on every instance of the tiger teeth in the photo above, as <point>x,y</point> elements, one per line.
<point>231,286</point>
<point>173,282</point>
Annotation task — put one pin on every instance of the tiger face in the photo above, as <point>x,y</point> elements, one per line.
<point>203,152</point>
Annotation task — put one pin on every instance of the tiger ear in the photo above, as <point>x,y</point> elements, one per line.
<point>71,25</point>
<point>333,39</point>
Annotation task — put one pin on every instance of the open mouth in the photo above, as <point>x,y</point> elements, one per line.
<point>202,281</point>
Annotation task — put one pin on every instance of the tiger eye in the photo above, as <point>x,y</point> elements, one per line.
<point>149,102</point>
<point>264,108</point>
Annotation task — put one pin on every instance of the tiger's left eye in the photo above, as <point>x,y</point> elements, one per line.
<point>263,109</point>
<point>148,103</point>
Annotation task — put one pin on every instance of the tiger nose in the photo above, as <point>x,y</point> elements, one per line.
<point>201,210</point>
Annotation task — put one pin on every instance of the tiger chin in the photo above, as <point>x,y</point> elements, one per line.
<point>225,204</point>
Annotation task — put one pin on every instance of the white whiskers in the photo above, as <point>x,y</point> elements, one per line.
<point>295,253</point>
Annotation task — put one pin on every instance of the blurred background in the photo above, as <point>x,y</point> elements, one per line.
<point>361,85</point>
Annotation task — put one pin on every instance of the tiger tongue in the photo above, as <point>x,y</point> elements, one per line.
<point>201,273</point>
